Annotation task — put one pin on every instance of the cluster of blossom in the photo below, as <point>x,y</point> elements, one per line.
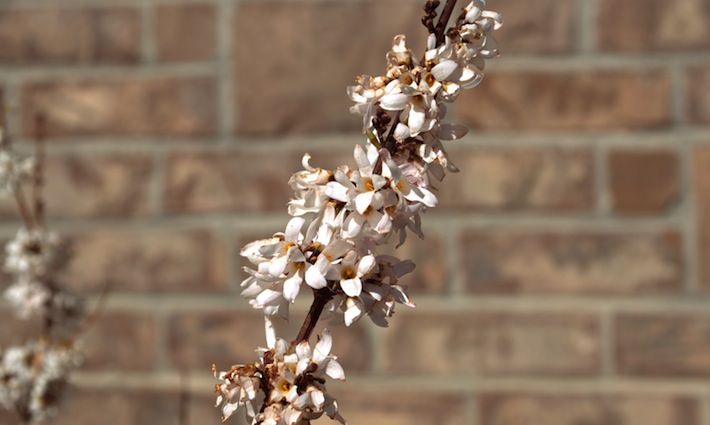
<point>291,380</point>
<point>32,375</point>
<point>341,217</point>
<point>349,212</point>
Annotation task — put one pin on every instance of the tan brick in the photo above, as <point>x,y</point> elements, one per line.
<point>663,345</point>
<point>97,185</point>
<point>15,331</point>
<point>698,94</point>
<point>549,27</point>
<point>431,275</point>
<point>587,409</point>
<point>643,182</point>
<point>70,35</point>
<point>123,341</point>
<point>587,263</point>
<point>294,79</point>
<point>135,406</point>
<point>701,182</point>
<point>638,25</point>
<point>400,407</point>
<point>586,100</point>
<point>184,106</point>
<point>149,260</point>
<point>198,340</point>
<point>201,410</point>
<point>493,344</point>
<point>518,179</point>
<point>200,182</point>
<point>185,32</point>
<point>8,417</point>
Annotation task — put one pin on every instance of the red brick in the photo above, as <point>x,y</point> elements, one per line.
<point>296,59</point>
<point>70,35</point>
<point>701,180</point>
<point>586,263</point>
<point>149,260</point>
<point>201,182</point>
<point>549,27</point>
<point>123,341</point>
<point>198,340</point>
<point>185,32</point>
<point>587,409</point>
<point>583,100</point>
<point>663,345</point>
<point>644,25</point>
<point>520,179</point>
<point>493,344</point>
<point>179,106</point>
<point>400,407</point>
<point>643,181</point>
<point>123,406</point>
<point>698,93</point>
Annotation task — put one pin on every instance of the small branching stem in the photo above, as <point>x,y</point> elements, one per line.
<point>38,172</point>
<point>22,207</point>
<point>320,299</point>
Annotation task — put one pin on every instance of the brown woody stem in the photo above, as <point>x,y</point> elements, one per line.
<point>38,172</point>
<point>320,299</point>
<point>22,206</point>
<point>440,28</point>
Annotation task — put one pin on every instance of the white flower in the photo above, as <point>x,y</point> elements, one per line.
<point>30,298</point>
<point>32,252</point>
<point>350,271</point>
<point>13,170</point>
<point>34,375</point>
<point>238,388</point>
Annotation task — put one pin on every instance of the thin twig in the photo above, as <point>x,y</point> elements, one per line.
<point>183,398</point>
<point>22,206</point>
<point>38,172</point>
<point>92,317</point>
<point>4,136</point>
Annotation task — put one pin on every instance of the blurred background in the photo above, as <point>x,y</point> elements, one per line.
<point>565,274</point>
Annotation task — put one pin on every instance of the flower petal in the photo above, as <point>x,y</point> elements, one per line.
<point>334,370</point>
<point>323,347</point>
<point>351,287</point>
<point>292,286</point>
<point>394,102</point>
<point>443,69</point>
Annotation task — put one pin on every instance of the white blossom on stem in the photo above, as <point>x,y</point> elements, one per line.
<point>342,217</point>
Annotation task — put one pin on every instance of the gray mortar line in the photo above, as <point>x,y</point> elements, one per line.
<point>225,65</point>
<point>607,345</point>
<point>148,47</point>
<point>587,29</point>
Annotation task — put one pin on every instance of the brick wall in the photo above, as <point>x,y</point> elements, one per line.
<point>565,275</point>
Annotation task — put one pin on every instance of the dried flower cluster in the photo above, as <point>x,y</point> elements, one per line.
<point>33,375</point>
<point>342,216</point>
<point>293,378</point>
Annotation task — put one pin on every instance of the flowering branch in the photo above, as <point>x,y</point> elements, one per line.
<point>34,375</point>
<point>342,216</point>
